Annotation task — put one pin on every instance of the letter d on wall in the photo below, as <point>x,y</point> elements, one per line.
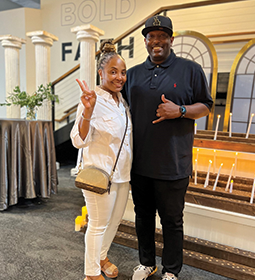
<point>124,8</point>
<point>67,14</point>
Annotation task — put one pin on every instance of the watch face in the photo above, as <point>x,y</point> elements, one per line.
<point>183,109</point>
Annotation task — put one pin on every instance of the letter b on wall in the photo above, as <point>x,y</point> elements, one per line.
<point>67,14</point>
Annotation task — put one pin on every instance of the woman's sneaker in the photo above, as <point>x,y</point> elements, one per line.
<point>142,272</point>
<point>169,276</point>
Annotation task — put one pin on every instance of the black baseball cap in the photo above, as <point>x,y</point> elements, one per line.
<point>158,23</point>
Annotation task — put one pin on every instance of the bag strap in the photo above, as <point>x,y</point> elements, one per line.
<point>122,142</point>
<point>117,158</point>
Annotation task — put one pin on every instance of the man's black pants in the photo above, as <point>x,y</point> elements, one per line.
<point>167,197</point>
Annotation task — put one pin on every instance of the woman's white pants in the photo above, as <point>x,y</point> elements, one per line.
<point>105,214</point>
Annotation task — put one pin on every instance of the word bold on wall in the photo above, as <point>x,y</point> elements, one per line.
<point>87,10</point>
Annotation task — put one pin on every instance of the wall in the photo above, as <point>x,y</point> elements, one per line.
<point>115,17</point>
<point>219,19</point>
<point>60,16</point>
<point>12,22</point>
<point>104,14</point>
<point>33,22</point>
<point>16,23</point>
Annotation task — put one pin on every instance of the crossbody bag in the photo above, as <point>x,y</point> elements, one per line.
<point>95,179</point>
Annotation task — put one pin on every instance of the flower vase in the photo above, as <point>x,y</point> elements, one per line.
<point>31,113</point>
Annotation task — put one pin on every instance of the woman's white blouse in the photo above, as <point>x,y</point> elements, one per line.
<point>107,127</point>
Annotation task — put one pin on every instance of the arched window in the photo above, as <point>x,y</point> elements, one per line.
<point>241,91</point>
<point>195,46</point>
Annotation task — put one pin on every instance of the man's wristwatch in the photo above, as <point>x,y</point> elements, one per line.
<point>183,111</point>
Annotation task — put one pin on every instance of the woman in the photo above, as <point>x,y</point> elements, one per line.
<point>98,129</point>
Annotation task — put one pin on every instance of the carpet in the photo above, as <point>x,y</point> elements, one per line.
<point>38,241</point>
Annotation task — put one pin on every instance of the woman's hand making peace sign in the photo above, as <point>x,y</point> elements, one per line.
<point>88,98</point>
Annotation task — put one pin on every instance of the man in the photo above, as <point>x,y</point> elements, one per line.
<point>166,94</point>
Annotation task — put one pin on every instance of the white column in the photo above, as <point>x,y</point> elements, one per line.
<point>42,41</point>
<point>12,46</point>
<point>87,35</point>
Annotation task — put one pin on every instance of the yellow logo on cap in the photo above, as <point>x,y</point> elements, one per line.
<point>156,22</point>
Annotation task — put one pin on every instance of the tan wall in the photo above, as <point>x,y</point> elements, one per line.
<point>12,22</point>
<point>16,23</point>
<point>214,19</point>
<point>33,22</point>
<point>115,19</point>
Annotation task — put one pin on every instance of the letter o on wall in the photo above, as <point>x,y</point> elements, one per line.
<point>87,11</point>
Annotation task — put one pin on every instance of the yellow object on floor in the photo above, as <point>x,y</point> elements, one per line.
<point>81,221</point>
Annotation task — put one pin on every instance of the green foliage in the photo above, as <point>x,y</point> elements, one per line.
<point>35,100</point>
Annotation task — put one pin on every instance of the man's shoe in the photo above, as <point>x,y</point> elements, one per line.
<point>169,276</point>
<point>142,272</point>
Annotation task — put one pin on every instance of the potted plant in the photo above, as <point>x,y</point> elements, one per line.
<point>31,102</point>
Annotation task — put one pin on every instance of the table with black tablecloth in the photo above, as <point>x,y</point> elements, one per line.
<point>27,161</point>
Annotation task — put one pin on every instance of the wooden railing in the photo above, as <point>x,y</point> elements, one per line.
<point>67,113</point>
